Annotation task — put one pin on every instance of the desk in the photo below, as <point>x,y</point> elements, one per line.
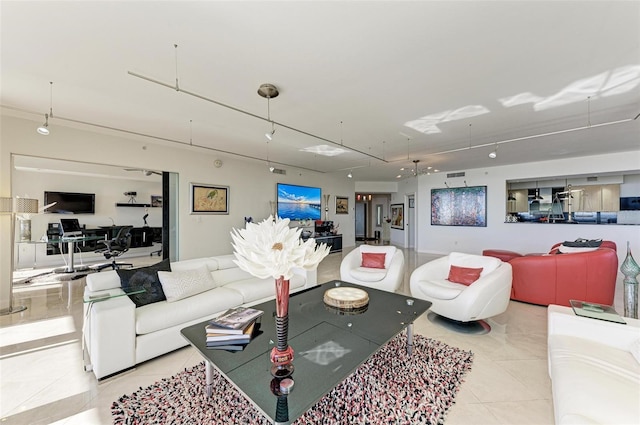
<point>71,246</point>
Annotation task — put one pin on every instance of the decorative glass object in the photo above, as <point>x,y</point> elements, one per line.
<point>282,353</point>
<point>630,270</point>
<point>272,249</point>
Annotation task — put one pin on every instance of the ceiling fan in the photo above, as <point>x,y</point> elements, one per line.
<point>143,171</point>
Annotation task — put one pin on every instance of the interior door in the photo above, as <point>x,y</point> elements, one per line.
<point>361,220</point>
<point>411,220</point>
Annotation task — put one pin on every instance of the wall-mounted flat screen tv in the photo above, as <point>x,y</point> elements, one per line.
<point>299,202</point>
<point>70,203</point>
<point>459,206</point>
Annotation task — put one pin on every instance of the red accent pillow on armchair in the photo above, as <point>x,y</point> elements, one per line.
<point>464,275</point>
<point>373,260</point>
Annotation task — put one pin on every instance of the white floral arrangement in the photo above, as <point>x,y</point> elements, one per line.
<point>272,249</point>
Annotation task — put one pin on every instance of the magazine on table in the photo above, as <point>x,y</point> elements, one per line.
<point>237,318</point>
<point>235,344</point>
<point>232,338</point>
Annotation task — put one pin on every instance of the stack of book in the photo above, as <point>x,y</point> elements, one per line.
<point>233,329</point>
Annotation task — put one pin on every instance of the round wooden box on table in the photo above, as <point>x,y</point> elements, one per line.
<point>346,298</point>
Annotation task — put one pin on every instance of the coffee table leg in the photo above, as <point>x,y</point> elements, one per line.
<point>410,338</point>
<point>208,368</point>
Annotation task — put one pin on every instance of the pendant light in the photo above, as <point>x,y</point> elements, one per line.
<point>44,128</point>
<point>269,91</point>
<point>537,197</point>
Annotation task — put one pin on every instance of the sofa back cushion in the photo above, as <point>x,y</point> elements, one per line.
<point>210,262</point>
<point>185,283</point>
<point>376,249</point>
<point>225,276</point>
<point>488,264</point>
<point>226,261</point>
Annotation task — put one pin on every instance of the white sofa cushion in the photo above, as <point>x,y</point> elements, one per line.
<point>635,350</point>
<point>186,283</point>
<point>225,276</point>
<point>488,264</point>
<point>211,263</point>
<point>163,315</point>
<point>385,249</point>
<point>367,274</point>
<point>253,289</point>
<point>226,261</point>
<point>442,289</point>
<point>593,380</point>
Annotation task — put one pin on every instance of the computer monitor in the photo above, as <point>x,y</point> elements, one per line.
<point>70,227</point>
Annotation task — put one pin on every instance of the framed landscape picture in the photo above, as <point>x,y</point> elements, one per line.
<point>209,199</point>
<point>459,206</point>
<point>397,216</point>
<point>342,205</point>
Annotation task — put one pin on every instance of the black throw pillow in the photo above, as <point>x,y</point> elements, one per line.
<point>146,277</point>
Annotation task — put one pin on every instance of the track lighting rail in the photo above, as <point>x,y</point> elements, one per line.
<point>233,108</point>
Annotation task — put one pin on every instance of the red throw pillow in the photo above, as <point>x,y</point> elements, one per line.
<point>372,260</point>
<point>464,275</point>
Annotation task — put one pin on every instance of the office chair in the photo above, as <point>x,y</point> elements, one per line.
<point>115,247</point>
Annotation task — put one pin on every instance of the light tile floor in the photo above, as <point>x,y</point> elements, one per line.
<point>43,382</point>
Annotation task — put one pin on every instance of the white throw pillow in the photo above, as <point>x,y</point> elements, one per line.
<point>572,250</point>
<point>185,283</point>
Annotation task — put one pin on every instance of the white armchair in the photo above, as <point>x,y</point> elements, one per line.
<point>486,297</point>
<point>388,278</point>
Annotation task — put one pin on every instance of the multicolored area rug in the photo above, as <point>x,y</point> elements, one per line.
<point>389,388</point>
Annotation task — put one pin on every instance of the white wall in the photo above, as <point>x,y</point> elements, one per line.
<point>251,184</point>
<point>520,237</point>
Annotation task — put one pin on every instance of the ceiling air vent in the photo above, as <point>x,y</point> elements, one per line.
<point>460,174</point>
<point>592,179</point>
<point>279,171</point>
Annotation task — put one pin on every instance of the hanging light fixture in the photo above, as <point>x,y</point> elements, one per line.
<point>44,128</point>
<point>350,175</point>
<point>494,154</point>
<point>269,91</point>
<point>537,197</point>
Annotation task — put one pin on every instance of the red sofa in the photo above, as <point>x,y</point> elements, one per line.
<point>556,278</point>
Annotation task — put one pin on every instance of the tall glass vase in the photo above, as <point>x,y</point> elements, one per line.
<point>282,353</point>
<point>630,270</point>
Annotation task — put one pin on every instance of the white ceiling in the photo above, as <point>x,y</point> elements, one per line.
<point>468,75</point>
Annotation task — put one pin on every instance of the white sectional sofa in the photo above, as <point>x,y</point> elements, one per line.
<point>118,335</point>
<point>594,372</point>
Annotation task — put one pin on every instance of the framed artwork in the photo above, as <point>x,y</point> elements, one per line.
<point>397,216</point>
<point>459,206</point>
<point>209,199</point>
<point>342,205</point>
<point>412,202</point>
<point>156,200</point>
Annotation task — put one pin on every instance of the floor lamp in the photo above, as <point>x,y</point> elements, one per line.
<point>15,206</point>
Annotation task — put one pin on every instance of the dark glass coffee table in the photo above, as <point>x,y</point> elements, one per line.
<point>329,344</point>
